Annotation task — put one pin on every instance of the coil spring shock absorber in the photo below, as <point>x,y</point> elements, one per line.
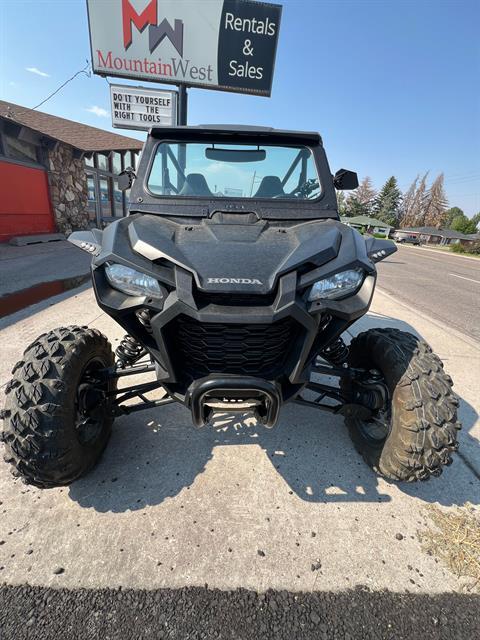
<point>144,318</point>
<point>130,350</point>
<point>336,353</point>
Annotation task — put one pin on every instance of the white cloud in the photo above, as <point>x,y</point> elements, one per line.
<point>98,111</point>
<point>37,72</point>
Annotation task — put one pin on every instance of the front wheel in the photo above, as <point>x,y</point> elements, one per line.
<point>58,416</point>
<point>413,436</point>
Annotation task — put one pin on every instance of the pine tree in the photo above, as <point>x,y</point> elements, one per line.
<point>435,204</point>
<point>387,203</point>
<point>406,213</point>
<point>365,193</point>
<point>360,202</point>
<point>420,203</point>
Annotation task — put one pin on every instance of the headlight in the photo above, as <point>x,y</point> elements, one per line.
<point>132,282</point>
<point>337,286</point>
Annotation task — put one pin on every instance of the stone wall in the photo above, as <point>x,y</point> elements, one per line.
<point>68,189</point>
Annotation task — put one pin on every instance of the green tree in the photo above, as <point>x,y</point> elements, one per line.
<point>465,225</point>
<point>341,203</point>
<point>387,203</point>
<point>450,214</point>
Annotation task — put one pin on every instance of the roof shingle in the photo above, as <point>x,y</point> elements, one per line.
<point>365,220</point>
<point>80,136</point>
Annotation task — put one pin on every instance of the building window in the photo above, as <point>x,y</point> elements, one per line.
<point>21,150</point>
<point>116,162</point>
<point>102,162</point>
<point>117,200</point>
<point>92,197</point>
<point>105,197</point>
<point>105,200</point>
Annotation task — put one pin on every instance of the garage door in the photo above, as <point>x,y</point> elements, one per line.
<point>24,201</point>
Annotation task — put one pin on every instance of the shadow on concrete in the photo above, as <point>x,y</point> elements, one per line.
<point>155,455</point>
<point>150,460</point>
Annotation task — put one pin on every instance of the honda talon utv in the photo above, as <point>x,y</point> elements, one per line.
<point>234,281</point>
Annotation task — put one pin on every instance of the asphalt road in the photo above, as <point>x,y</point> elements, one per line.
<point>35,613</point>
<point>442,285</point>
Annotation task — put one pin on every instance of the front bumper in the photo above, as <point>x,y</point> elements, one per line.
<point>192,337</point>
<point>233,393</point>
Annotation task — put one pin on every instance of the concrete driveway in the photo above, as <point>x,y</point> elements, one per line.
<point>294,508</point>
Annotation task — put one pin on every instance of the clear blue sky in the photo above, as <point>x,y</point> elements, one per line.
<point>392,85</point>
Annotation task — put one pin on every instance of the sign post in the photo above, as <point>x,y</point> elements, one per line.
<point>182,105</point>
<point>225,45</point>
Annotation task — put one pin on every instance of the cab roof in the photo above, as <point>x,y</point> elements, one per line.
<point>237,132</point>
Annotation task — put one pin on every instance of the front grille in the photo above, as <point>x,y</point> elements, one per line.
<point>234,299</point>
<point>261,350</point>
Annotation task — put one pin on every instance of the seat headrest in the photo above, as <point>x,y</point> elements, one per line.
<point>270,186</point>
<point>195,185</point>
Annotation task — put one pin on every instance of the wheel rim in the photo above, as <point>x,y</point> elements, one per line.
<point>377,428</point>
<point>90,407</point>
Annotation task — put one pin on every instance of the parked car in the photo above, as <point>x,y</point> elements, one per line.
<point>404,238</point>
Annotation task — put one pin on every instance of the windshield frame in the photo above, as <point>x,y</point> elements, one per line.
<point>142,202</point>
<point>299,146</point>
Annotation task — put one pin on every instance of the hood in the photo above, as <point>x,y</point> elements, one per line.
<point>235,252</point>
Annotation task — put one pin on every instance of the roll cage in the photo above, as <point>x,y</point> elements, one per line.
<point>302,156</point>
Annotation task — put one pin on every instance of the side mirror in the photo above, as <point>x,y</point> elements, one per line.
<point>345,180</point>
<point>378,249</point>
<point>125,179</point>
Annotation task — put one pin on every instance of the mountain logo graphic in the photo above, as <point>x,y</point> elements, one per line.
<point>156,32</point>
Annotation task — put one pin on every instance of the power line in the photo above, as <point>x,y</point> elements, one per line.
<point>462,174</point>
<point>462,180</point>
<point>451,179</point>
<point>85,71</point>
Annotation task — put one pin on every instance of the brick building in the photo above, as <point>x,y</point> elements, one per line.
<point>58,175</point>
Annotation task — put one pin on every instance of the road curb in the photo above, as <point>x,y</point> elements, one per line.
<point>450,330</point>
<point>440,251</point>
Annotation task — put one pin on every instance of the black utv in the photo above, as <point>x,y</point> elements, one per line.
<point>235,282</point>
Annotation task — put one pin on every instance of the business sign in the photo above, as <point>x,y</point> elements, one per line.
<point>142,108</point>
<point>215,44</point>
